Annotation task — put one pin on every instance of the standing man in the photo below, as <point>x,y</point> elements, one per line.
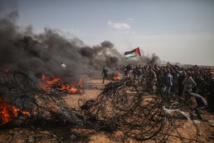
<point>139,74</point>
<point>169,83</point>
<point>135,72</point>
<point>126,74</point>
<point>181,78</point>
<point>105,74</point>
<point>153,79</point>
<point>188,83</point>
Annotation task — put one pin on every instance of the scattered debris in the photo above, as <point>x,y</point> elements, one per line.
<point>121,108</point>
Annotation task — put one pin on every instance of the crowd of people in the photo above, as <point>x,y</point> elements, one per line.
<point>177,80</point>
<point>181,81</point>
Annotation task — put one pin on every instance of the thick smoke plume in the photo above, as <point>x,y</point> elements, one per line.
<point>153,60</point>
<point>43,53</point>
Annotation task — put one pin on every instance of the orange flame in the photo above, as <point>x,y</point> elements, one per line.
<point>47,83</point>
<point>70,89</point>
<point>116,76</point>
<point>9,112</point>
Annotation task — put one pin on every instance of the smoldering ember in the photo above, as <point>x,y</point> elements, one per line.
<point>52,90</point>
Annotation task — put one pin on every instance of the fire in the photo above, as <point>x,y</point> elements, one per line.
<point>70,89</point>
<point>9,112</point>
<point>116,76</point>
<point>48,83</point>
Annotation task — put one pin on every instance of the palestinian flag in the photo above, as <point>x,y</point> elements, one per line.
<point>132,54</point>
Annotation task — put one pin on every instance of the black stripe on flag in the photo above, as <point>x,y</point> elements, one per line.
<point>130,52</point>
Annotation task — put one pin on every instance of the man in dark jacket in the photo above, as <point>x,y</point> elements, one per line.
<point>105,74</point>
<point>180,85</point>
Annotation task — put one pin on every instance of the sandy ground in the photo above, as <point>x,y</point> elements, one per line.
<point>65,134</point>
<point>96,86</point>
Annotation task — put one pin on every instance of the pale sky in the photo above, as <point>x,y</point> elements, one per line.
<point>175,30</point>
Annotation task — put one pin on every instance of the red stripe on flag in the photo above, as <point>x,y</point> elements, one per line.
<point>137,51</point>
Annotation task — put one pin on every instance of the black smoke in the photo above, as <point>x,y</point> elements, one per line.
<point>22,50</point>
<point>151,60</point>
<point>43,53</point>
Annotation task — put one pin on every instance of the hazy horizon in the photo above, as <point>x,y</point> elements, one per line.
<point>176,31</point>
